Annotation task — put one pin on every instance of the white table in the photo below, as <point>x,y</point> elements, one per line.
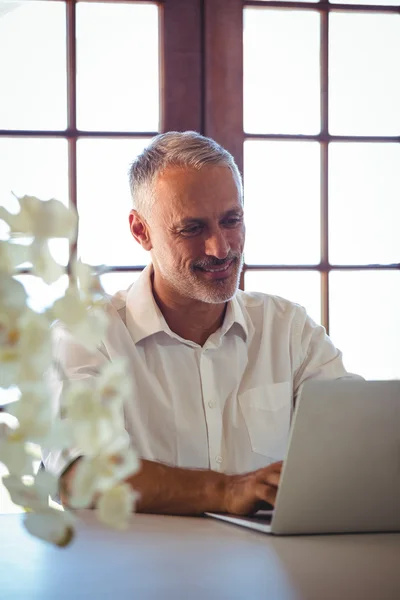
<point>184,558</point>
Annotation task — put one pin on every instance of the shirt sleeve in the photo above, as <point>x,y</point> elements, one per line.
<point>71,362</point>
<point>319,358</point>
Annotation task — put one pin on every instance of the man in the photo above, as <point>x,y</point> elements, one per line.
<point>215,371</point>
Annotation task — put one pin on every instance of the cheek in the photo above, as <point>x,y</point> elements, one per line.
<point>179,252</point>
<point>237,237</point>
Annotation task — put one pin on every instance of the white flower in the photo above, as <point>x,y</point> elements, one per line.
<point>52,525</point>
<point>82,402</point>
<point>25,347</point>
<point>113,383</point>
<point>44,521</point>
<point>43,264</point>
<point>35,495</point>
<point>89,422</point>
<point>116,505</point>
<point>12,296</point>
<point>95,409</point>
<point>88,324</point>
<point>89,282</point>
<point>11,256</point>
<point>41,219</point>
<point>32,410</point>
<point>35,417</point>
<point>100,472</point>
<point>14,453</point>
<point>94,414</point>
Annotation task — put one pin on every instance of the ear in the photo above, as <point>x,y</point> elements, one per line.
<point>140,230</point>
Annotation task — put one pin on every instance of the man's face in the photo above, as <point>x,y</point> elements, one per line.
<point>197,233</point>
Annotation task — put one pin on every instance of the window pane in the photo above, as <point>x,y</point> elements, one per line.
<point>33,66</point>
<point>365,321</point>
<point>117,67</point>
<point>375,2</point>
<point>364,74</point>
<point>281,71</point>
<point>282,206</point>
<point>35,167</point>
<point>289,0</point>
<point>302,287</point>
<point>104,202</point>
<point>114,282</point>
<point>364,208</point>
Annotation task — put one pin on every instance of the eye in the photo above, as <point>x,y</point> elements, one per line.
<point>191,231</point>
<point>233,221</point>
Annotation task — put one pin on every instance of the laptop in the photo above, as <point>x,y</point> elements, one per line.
<point>341,473</point>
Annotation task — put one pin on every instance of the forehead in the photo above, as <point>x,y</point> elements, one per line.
<point>196,192</point>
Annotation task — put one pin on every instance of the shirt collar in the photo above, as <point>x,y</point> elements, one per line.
<point>144,318</point>
<point>234,314</point>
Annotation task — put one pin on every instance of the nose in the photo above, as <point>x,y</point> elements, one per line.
<point>217,245</point>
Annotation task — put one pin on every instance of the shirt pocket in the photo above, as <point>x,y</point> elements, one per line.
<point>266,411</point>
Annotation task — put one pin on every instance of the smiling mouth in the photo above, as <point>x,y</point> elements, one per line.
<point>216,270</point>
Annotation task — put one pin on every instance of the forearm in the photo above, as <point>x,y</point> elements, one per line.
<point>175,491</point>
<point>168,490</point>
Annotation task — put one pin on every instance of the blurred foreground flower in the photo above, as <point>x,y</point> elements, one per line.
<point>116,505</point>
<point>93,419</point>
<point>51,525</point>
<point>41,219</point>
<point>85,320</point>
<point>102,471</point>
<point>25,347</point>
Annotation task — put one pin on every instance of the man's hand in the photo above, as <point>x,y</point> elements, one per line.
<point>248,493</point>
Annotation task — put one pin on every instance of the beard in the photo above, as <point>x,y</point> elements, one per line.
<point>195,284</point>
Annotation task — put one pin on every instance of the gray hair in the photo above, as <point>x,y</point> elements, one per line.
<point>183,149</point>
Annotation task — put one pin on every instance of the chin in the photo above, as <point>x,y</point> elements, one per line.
<point>219,292</point>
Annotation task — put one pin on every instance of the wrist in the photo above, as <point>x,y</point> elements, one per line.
<point>217,492</point>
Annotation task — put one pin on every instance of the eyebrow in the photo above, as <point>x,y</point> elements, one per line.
<point>199,220</point>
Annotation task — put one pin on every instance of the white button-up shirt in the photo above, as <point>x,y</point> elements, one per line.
<point>224,406</point>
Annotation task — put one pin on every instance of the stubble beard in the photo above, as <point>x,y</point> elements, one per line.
<point>192,285</point>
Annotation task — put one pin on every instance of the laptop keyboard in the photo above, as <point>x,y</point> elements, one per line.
<point>262,516</point>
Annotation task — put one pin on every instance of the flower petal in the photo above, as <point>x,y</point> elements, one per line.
<point>116,506</point>
<point>43,264</point>
<point>41,219</point>
<point>31,496</point>
<point>13,296</point>
<point>14,456</point>
<point>12,255</point>
<point>98,473</point>
<point>52,525</point>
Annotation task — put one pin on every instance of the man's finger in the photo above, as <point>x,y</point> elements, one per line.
<point>266,493</point>
<point>277,466</point>
<point>271,479</point>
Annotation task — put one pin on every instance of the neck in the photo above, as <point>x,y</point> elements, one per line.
<point>190,319</point>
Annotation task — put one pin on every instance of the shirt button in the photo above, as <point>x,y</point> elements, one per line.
<point>218,459</point>
<point>212,404</point>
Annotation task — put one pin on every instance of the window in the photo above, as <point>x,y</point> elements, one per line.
<point>79,103</point>
<point>322,169</point>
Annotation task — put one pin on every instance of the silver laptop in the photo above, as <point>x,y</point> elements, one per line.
<point>342,469</point>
